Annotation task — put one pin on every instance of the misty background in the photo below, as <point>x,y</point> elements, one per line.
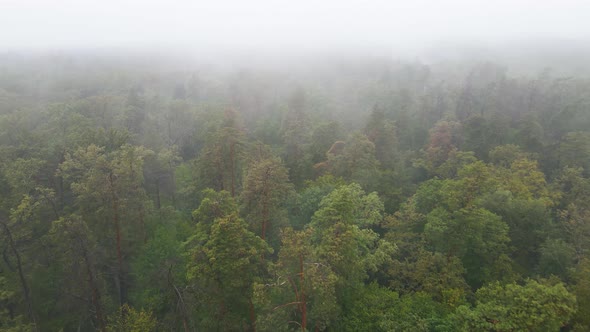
<point>335,48</point>
<point>230,29</point>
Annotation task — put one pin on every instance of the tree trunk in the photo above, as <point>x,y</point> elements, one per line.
<point>265,202</point>
<point>219,168</point>
<point>118,231</point>
<point>115,207</point>
<point>231,162</point>
<point>303,304</point>
<point>158,204</point>
<point>21,275</point>
<point>180,300</point>
<point>142,224</point>
<point>94,289</point>
<point>265,217</point>
<point>173,183</point>
<point>252,316</point>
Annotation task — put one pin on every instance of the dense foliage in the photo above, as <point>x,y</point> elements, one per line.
<point>364,195</point>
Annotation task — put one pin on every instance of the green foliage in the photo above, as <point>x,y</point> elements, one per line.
<point>223,270</point>
<point>357,161</point>
<point>357,195</point>
<point>266,189</point>
<point>341,230</point>
<point>572,187</point>
<point>418,312</point>
<point>296,130</point>
<point>303,291</point>
<point>322,138</point>
<point>557,258</point>
<point>482,133</point>
<point>529,223</point>
<point>157,270</point>
<point>132,320</point>
<point>477,236</point>
<point>505,155</point>
<point>309,198</point>
<point>574,150</point>
<point>213,205</point>
<point>444,138</point>
<point>371,310</point>
<point>342,238</point>
<point>77,252</point>
<point>534,306</point>
<point>9,323</point>
<point>575,222</point>
<point>221,160</point>
<point>581,290</point>
<point>383,133</point>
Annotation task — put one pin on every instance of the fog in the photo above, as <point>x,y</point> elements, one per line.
<point>276,165</point>
<point>280,26</point>
<point>525,35</point>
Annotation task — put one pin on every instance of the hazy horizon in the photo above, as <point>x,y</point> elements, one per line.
<point>277,27</point>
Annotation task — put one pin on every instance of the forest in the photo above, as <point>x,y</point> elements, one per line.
<point>151,193</point>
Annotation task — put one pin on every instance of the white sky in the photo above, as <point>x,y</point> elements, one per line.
<point>284,24</point>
